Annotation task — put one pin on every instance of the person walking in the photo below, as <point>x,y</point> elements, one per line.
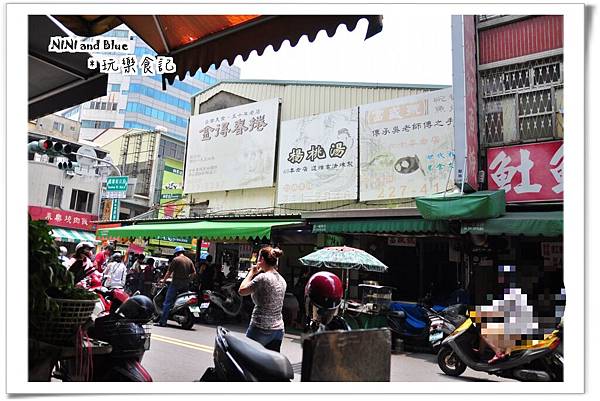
<point>148,277</point>
<point>267,289</point>
<point>181,270</point>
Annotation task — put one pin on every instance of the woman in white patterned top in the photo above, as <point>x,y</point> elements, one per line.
<point>267,288</point>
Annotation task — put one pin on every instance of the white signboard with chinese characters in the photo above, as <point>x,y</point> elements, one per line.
<point>407,146</point>
<point>318,158</point>
<point>232,148</point>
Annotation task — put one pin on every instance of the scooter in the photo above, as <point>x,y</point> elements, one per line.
<point>238,358</point>
<point>423,328</point>
<point>109,300</point>
<point>129,338</point>
<point>539,362</point>
<point>185,308</point>
<point>217,305</point>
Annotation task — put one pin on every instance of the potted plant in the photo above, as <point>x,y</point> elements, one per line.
<point>56,307</point>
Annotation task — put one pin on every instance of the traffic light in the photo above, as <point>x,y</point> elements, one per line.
<point>49,147</point>
<point>67,165</point>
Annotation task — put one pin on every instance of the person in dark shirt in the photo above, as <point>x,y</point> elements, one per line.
<point>181,270</point>
<point>207,274</point>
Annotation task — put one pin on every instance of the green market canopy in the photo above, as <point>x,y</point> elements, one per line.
<point>207,230</point>
<point>476,206</point>
<point>547,224</point>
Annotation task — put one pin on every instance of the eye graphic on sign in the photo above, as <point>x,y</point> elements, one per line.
<point>408,165</point>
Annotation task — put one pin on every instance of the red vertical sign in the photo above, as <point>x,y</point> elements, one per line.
<point>472,143</point>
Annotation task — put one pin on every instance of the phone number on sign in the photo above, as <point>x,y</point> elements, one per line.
<point>298,187</point>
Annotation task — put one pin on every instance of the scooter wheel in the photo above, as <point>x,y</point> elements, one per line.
<point>450,363</point>
<point>188,323</point>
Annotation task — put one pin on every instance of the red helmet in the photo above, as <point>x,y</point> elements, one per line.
<point>324,290</point>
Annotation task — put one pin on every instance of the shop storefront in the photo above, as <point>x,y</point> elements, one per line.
<point>68,227</point>
<point>422,256</point>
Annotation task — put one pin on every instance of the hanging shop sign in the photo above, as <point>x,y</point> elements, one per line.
<point>171,188</point>
<point>527,173</point>
<point>63,218</point>
<point>552,252</point>
<point>232,148</point>
<point>402,241</point>
<point>464,85</point>
<point>187,243</point>
<point>318,158</point>
<point>407,146</point>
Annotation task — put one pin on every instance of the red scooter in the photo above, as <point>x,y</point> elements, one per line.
<point>109,300</point>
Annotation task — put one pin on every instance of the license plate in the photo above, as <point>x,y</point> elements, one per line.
<point>204,305</point>
<point>196,314</point>
<point>194,309</point>
<point>433,337</point>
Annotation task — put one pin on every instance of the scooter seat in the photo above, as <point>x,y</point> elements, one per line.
<point>264,364</point>
<point>186,293</point>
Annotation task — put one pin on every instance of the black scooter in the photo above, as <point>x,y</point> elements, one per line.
<point>539,362</point>
<point>129,339</point>
<point>238,358</point>
<point>425,331</point>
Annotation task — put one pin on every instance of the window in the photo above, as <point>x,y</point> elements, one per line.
<point>54,197</point>
<point>92,105</point>
<point>81,201</point>
<point>115,87</point>
<point>97,124</point>
<point>103,107</point>
<point>114,106</point>
<point>523,102</point>
<point>58,126</point>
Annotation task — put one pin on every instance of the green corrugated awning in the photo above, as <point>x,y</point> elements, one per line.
<point>66,235</point>
<point>532,224</point>
<point>404,225</point>
<point>476,206</point>
<point>207,230</point>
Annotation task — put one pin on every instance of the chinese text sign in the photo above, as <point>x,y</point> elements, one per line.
<point>527,172</point>
<point>407,146</point>
<point>63,218</point>
<point>233,148</point>
<point>318,158</point>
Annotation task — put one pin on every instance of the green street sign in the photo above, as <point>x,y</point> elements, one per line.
<point>114,211</point>
<point>117,184</point>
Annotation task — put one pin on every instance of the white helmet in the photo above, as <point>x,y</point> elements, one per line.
<point>63,251</point>
<point>84,244</point>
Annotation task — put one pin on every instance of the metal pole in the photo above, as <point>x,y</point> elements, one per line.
<point>462,185</point>
<point>99,160</point>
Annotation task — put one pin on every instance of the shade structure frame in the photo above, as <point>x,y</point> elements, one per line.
<point>214,46</point>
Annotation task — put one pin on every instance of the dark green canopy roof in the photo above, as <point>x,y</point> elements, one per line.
<point>547,224</point>
<point>402,225</point>
<point>476,206</point>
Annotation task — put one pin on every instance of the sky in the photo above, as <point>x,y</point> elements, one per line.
<point>407,51</point>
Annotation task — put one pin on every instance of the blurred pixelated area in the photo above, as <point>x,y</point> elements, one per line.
<point>524,306</point>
